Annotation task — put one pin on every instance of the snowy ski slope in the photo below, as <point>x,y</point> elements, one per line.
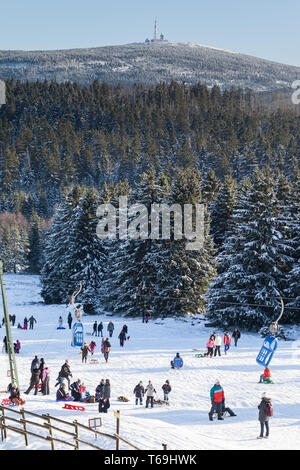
<point>146,356</point>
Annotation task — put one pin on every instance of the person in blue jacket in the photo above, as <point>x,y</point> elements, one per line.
<point>177,362</point>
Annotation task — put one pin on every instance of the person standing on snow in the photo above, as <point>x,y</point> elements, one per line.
<point>100,329</point>
<point>166,389</point>
<point>139,392</point>
<point>216,397</point>
<point>65,373</point>
<point>150,392</point>
<point>70,319</point>
<point>35,364</point>
<point>99,390</point>
<point>94,329</point>
<point>264,416</point>
<point>45,381</point>
<point>92,347</point>
<point>107,347</point>
<point>227,341</point>
<point>32,320</point>
<point>84,352</point>
<point>60,322</point>
<point>210,347</point>
<point>110,328</point>
<point>34,381</point>
<point>122,337</point>
<point>236,335</point>
<point>217,344</point>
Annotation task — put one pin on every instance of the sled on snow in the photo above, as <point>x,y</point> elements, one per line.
<point>94,361</point>
<point>160,402</point>
<point>68,399</point>
<point>60,328</point>
<point>267,381</point>
<point>73,407</point>
<point>200,355</point>
<point>7,402</point>
<point>124,399</point>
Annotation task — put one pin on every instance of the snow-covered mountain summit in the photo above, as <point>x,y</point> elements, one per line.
<point>149,63</point>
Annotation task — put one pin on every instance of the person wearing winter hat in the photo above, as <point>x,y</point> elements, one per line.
<point>265,411</point>
<point>139,392</point>
<point>166,389</point>
<point>216,397</point>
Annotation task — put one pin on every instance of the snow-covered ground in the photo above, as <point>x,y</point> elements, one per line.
<point>146,356</point>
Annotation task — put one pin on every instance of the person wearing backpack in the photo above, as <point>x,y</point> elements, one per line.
<point>265,411</point>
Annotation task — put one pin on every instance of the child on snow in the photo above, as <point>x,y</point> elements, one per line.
<point>166,389</point>
<point>92,346</point>
<point>227,341</point>
<point>265,376</point>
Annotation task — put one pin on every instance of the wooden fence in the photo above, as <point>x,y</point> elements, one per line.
<point>51,424</point>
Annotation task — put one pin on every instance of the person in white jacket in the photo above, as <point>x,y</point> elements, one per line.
<point>150,392</point>
<point>218,342</point>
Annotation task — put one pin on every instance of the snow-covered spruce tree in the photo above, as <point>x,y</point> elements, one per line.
<point>292,285</point>
<point>160,272</point>
<point>85,256</point>
<point>222,209</point>
<point>182,275</point>
<point>251,261</point>
<point>55,272</point>
<point>131,279</point>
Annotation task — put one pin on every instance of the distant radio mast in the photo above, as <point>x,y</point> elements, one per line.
<point>155,30</point>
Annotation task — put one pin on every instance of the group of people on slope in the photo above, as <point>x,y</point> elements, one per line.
<point>17,346</point>
<point>40,377</point>
<point>218,406</point>
<point>139,392</point>
<point>98,329</point>
<point>213,345</point>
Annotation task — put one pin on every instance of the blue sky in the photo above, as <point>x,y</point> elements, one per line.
<point>263,28</point>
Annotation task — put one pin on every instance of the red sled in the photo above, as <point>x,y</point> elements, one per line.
<point>7,402</point>
<point>73,407</point>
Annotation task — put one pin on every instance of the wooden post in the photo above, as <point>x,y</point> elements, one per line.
<point>3,423</point>
<point>77,434</point>
<point>165,446</point>
<point>47,417</point>
<point>117,415</point>
<point>24,426</point>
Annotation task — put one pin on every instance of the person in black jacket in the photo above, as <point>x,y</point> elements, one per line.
<point>166,389</point>
<point>104,403</point>
<point>70,319</point>
<point>75,390</point>
<point>122,338</point>
<point>236,335</point>
<point>100,329</point>
<point>94,329</point>
<point>100,390</point>
<point>107,347</point>
<point>139,393</point>
<point>65,373</point>
<point>34,381</point>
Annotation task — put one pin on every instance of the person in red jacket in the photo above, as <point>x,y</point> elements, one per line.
<point>216,396</point>
<point>227,341</point>
<point>265,375</point>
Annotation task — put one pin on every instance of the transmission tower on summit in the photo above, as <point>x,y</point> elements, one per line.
<point>155,30</point>
<point>161,38</point>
